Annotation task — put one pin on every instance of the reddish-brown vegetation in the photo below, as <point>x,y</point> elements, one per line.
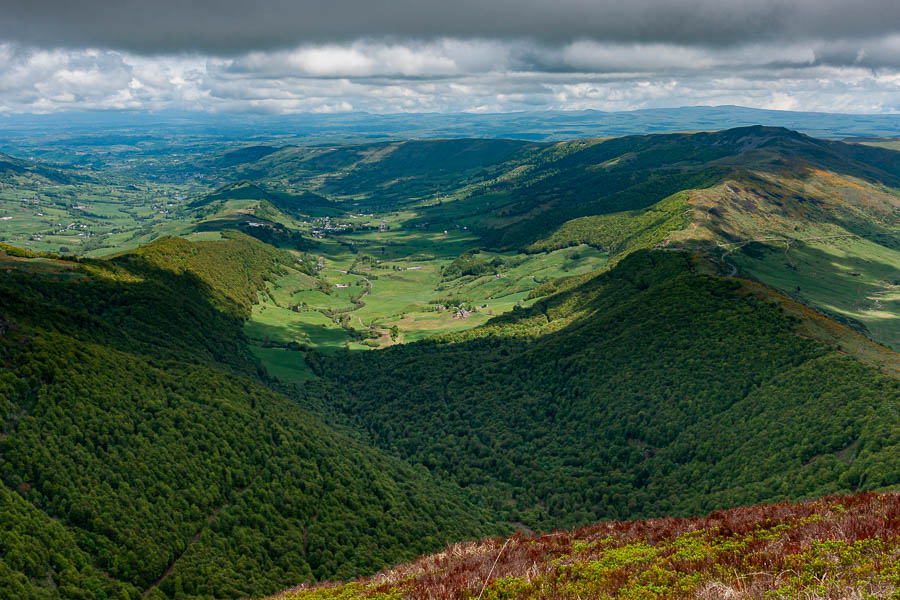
<point>835,547</point>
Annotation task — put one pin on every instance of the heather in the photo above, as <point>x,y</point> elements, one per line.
<point>834,547</point>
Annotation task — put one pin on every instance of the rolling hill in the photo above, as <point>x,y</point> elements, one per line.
<point>164,142</point>
<point>500,181</point>
<point>654,389</point>
<point>788,209</point>
<point>635,172</point>
<point>16,168</point>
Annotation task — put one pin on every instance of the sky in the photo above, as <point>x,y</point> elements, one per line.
<point>388,56</point>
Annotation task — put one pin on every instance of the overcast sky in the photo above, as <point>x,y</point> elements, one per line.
<point>285,56</point>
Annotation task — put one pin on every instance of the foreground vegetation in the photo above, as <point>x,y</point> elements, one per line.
<point>836,547</point>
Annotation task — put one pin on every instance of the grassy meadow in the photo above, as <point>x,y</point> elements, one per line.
<point>378,288</point>
<point>854,280</point>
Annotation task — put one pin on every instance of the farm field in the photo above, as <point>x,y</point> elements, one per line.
<point>400,298</point>
<point>91,218</point>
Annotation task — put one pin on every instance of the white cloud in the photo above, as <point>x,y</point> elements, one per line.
<point>460,75</point>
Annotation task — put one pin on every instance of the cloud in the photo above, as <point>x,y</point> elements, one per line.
<point>455,74</point>
<point>284,56</point>
<point>235,26</point>
<point>370,58</point>
<point>37,80</point>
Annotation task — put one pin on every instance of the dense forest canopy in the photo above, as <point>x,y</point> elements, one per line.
<point>141,452</point>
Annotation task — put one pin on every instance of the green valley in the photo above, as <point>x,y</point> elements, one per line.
<point>627,385</point>
<point>244,367</point>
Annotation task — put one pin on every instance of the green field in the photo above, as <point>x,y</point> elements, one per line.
<point>283,363</point>
<point>104,215</point>
<point>405,290</point>
<point>855,280</point>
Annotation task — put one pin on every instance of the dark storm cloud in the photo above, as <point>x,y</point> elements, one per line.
<point>235,26</point>
<point>288,56</point>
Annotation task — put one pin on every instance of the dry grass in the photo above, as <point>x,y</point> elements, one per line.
<point>836,547</point>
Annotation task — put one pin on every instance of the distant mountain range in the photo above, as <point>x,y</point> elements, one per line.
<point>86,128</point>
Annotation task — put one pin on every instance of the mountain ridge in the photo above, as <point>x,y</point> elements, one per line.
<point>621,356</point>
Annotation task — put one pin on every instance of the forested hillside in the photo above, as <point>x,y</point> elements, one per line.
<point>140,453</point>
<point>635,172</point>
<point>650,390</point>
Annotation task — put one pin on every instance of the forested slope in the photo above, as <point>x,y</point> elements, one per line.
<point>519,195</point>
<point>140,453</point>
<point>15,168</point>
<point>653,389</point>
